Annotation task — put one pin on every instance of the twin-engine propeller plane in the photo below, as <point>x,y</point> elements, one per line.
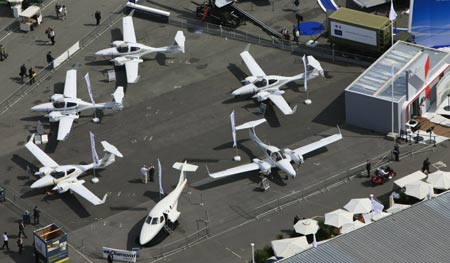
<point>65,107</point>
<point>269,86</point>
<point>63,178</point>
<point>274,157</point>
<point>128,52</point>
<point>165,210</point>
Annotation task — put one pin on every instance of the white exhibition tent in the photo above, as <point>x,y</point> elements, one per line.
<point>411,178</point>
<point>419,189</point>
<point>289,246</point>
<point>306,226</point>
<point>439,179</point>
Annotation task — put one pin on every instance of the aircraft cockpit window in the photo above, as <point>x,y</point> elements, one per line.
<point>59,104</point>
<point>148,220</point>
<point>278,156</point>
<point>154,221</point>
<point>70,171</point>
<point>122,49</point>
<point>71,104</point>
<point>58,175</point>
<point>261,83</point>
<point>133,49</point>
<point>269,152</point>
<point>271,81</point>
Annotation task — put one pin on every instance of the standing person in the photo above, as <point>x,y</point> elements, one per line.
<point>51,35</point>
<point>369,168</point>
<point>294,33</point>
<point>151,172</point>
<point>36,215</point>
<point>426,166</point>
<point>22,229</point>
<point>97,16</point>
<point>5,241</point>
<point>57,8</point>
<point>396,152</point>
<point>50,60</point>
<point>20,244</point>
<point>64,12</point>
<point>32,75</point>
<point>297,4</point>
<point>23,72</point>
<point>3,54</point>
<point>110,257</point>
<point>144,172</point>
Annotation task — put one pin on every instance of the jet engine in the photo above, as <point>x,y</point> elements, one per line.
<point>118,43</point>
<point>265,168</point>
<point>295,157</point>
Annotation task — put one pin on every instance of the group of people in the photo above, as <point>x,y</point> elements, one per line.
<point>61,11</point>
<point>51,35</point>
<point>31,73</point>
<point>148,171</point>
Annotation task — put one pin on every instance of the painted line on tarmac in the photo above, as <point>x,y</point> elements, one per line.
<point>234,253</point>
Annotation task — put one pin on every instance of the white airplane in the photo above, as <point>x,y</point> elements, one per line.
<point>274,157</point>
<point>268,86</point>
<point>65,107</point>
<point>64,177</point>
<point>128,52</point>
<point>166,209</point>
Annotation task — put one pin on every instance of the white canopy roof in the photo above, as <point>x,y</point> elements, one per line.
<point>416,176</point>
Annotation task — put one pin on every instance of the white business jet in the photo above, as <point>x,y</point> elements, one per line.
<point>274,157</point>
<point>269,86</point>
<point>64,177</point>
<point>65,107</point>
<point>128,52</point>
<point>166,209</point>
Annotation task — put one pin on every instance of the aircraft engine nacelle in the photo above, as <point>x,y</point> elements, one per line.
<point>262,96</point>
<point>54,116</point>
<point>119,61</point>
<point>44,171</point>
<point>56,97</point>
<point>295,157</point>
<point>117,43</point>
<point>250,79</point>
<point>264,168</point>
<point>63,187</point>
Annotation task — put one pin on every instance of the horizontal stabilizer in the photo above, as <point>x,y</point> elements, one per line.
<point>185,167</point>
<point>250,124</point>
<point>180,39</point>
<point>118,94</point>
<point>107,147</point>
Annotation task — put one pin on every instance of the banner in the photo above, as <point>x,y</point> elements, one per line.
<point>94,152</point>
<point>233,128</point>
<point>120,255</point>
<point>161,190</point>
<point>88,84</point>
<point>305,74</point>
<point>392,13</point>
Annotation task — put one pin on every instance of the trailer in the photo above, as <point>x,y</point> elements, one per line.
<point>358,30</point>
<point>50,244</point>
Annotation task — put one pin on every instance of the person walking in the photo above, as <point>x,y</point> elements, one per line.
<point>110,257</point>
<point>22,229</point>
<point>36,215</point>
<point>426,166</point>
<point>3,54</point>
<point>369,168</point>
<point>294,33</point>
<point>396,152</point>
<point>20,244</point>
<point>64,12</point>
<point>51,35</point>
<point>57,10</point>
<point>98,17</point>
<point>32,75</point>
<point>5,241</point>
<point>144,172</point>
<point>23,72</point>
<point>151,172</point>
<point>50,60</point>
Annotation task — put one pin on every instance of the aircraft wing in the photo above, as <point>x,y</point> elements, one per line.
<point>281,103</point>
<point>131,67</point>
<point>251,64</point>
<point>43,158</point>
<point>82,191</point>
<point>65,124</point>
<point>128,29</point>
<point>235,170</point>
<point>319,144</point>
<point>70,86</point>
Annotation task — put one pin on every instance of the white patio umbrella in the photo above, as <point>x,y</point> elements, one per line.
<point>289,246</point>
<point>439,179</point>
<point>359,205</point>
<point>397,208</point>
<point>306,226</point>
<point>352,226</point>
<point>418,189</point>
<point>338,218</point>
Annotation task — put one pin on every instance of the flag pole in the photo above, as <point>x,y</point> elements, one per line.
<point>392,100</point>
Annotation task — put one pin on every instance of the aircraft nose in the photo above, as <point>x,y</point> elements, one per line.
<point>247,89</point>
<point>41,107</point>
<point>103,52</point>
<point>148,232</point>
<point>286,167</point>
<point>47,180</point>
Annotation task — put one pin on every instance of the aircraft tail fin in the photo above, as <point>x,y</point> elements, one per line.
<point>110,155</point>
<point>104,199</point>
<point>315,65</point>
<point>184,167</point>
<point>118,95</point>
<point>179,40</point>
<point>250,124</point>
